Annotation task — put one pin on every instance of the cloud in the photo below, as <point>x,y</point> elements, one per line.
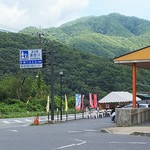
<point>47,13</point>
<point>11,15</point>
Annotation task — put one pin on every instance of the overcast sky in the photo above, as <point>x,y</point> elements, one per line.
<point>19,14</point>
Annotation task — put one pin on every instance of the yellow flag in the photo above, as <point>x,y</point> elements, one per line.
<point>27,102</point>
<point>47,106</point>
<point>66,103</point>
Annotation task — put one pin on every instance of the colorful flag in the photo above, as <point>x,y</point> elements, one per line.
<point>83,102</point>
<point>47,106</point>
<point>90,100</point>
<point>66,103</point>
<point>78,101</point>
<point>27,102</point>
<point>95,100</point>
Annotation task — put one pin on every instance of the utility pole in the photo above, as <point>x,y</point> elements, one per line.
<point>52,84</point>
<point>52,75</point>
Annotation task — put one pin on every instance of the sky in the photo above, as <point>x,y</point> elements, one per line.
<point>18,14</point>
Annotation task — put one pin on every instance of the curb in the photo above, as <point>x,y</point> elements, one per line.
<point>140,134</point>
<point>104,130</point>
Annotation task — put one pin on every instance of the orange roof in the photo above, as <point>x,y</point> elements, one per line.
<point>141,57</point>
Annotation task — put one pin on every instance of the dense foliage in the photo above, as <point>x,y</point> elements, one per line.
<point>83,73</point>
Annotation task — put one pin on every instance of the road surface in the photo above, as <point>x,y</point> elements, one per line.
<point>82,134</point>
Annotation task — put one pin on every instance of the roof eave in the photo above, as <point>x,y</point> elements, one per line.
<point>129,61</point>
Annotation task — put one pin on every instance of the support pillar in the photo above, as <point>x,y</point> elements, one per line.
<point>134,84</point>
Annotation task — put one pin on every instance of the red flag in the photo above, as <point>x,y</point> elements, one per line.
<point>91,101</point>
<point>95,100</point>
<point>83,102</point>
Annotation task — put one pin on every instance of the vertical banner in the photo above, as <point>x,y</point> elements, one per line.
<point>66,107</point>
<point>78,101</point>
<point>47,106</point>
<point>90,100</point>
<point>66,103</point>
<point>83,102</point>
<point>95,100</point>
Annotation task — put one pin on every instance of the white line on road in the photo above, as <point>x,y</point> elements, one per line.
<point>71,145</point>
<point>62,147</point>
<point>13,130</point>
<point>77,131</point>
<point>18,121</point>
<point>88,130</point>
<point>42,120</point>
<point>140,143</point>
<point>6,122</point>
<point>82,142</point>
<point>25,125</point>
<point>28,120</point>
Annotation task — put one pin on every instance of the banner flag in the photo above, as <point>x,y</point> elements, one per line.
<point>95,100</point>
<point>83,102</point>
<point>90,100</point>
<point>47,106</point>
<point>27,102</point>
<point>66,103</point>
<point>78,101</point>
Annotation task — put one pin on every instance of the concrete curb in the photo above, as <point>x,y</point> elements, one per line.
<point>122,130</point>
<point>140,134</point>
<point>105,130</point>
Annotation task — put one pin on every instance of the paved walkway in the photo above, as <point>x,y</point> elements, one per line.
<point>143,129</point>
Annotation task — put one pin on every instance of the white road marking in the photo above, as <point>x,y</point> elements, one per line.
<point>6,122</point>
<point>71,145</point>
<point>42,119</point>
<point>13,130</point>
<point>62,147</point>
<point>25,125</point>
<point>87,130</point>
<point>74,131</point>
<point>82,142</point>
<point>28,120</point>
<point>18,121</point>
<point>140,143</point>
<point>79,131</point>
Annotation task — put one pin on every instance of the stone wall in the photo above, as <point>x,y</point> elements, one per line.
<point>130,116</point>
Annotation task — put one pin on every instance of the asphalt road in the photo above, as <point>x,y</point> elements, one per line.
<point>83,134</point>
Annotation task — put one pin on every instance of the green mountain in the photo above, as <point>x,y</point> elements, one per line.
<point>83,72</point>
<point>107,36</point>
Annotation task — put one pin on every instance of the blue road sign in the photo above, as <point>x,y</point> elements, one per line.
<point>31,58</point>
<point>24,55</point>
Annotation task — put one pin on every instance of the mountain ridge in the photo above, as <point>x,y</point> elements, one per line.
<point>113,31</point>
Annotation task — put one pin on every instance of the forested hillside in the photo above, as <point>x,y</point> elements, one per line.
<point>83,72</point>
<point>107,36</point>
